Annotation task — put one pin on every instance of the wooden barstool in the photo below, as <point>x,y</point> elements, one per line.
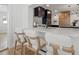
<point>39,44</point>
<point>19,43</point>
<point>33,38</point>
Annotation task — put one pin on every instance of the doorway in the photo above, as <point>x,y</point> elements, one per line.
<point>3,27</point>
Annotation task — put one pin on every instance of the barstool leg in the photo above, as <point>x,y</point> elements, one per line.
<point>55,51</point>
<point>22,49</point>
<point>15,47</point>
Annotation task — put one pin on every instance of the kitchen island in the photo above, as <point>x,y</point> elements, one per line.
<point>64,36</point>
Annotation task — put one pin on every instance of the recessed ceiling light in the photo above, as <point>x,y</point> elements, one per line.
<point>49,12</point>
<point>56,10</point>
<point>47,5</point>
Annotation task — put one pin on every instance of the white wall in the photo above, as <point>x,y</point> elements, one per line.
<point>18,19</point>
<point>30,17</point>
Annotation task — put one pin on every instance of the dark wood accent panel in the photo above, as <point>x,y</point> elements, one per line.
<point>39,11</point>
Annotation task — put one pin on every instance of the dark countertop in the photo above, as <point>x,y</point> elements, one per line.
<point>69,27</point>
<point>63,27</point>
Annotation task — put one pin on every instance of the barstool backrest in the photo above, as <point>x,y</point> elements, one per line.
<point>33,39</point>
<point>21,37</point>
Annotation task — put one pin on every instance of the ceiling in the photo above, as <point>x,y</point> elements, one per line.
<point>74,8</point>
<point>3,8</point>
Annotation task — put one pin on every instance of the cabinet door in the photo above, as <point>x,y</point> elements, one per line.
<point>47,17</point>
<point>39,11</point>
<point>64,19</point>
<point>35,11</point>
